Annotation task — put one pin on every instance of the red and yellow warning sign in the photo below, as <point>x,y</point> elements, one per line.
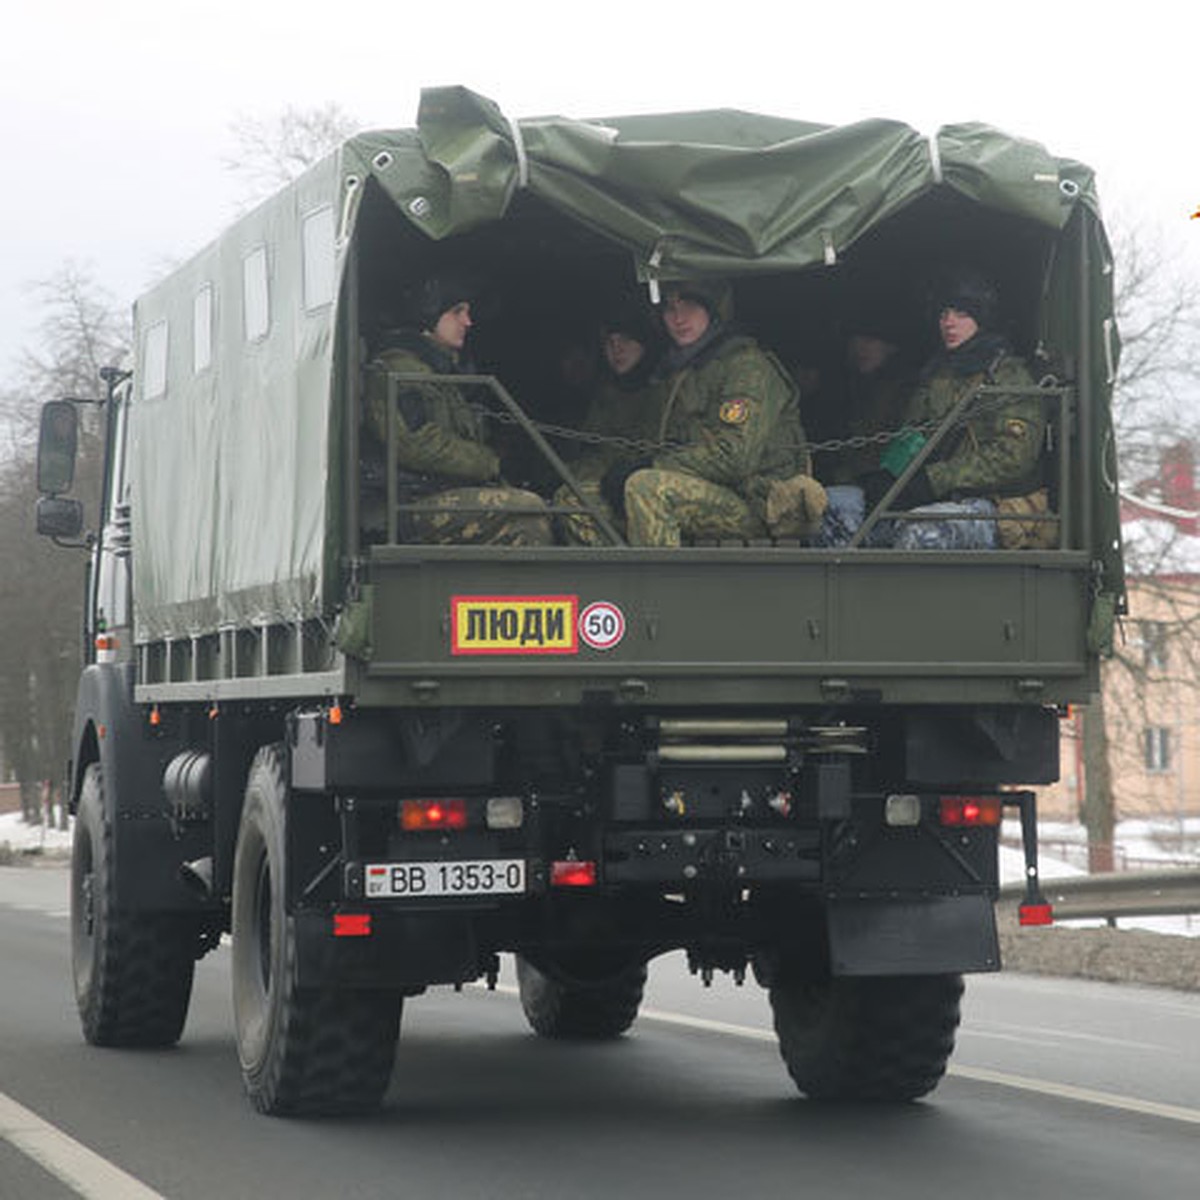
<point>514,625</point>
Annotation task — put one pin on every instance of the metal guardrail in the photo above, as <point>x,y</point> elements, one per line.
<point>1168,893</point>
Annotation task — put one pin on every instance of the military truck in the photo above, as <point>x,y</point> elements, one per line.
<point>379,765</point>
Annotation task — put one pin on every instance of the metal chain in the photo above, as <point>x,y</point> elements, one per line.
<point>989,396</point>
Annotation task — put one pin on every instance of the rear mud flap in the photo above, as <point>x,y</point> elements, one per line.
<point>931,935</point>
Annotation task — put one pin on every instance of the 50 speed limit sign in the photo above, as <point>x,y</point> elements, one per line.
<point>601,625</point>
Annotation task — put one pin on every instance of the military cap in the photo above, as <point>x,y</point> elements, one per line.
<point>971,293</point>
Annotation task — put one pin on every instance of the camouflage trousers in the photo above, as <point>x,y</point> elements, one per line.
<point>577,528</point>
<point>966,524</point>
<point>664,507</point>
<point>493,515</point>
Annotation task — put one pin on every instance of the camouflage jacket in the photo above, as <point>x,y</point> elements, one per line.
<point>438,433</point>
<point>733,415</point>
<point>632,413</point>
<point>997,449</point>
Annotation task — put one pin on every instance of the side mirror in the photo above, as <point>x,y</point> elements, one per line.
<point>58,441</point>
<point>59,517</point>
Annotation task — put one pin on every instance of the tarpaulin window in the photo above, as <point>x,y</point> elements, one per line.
<point>202,314</point>
<point>256,304</point>
<point>154,361</point>
<point>317,242</point>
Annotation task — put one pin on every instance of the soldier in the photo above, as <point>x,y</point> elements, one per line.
<point>994,452</point>
<point>875,386</point>
<point>731,418</point>
<point>626,407</point>
<point>450,478</point>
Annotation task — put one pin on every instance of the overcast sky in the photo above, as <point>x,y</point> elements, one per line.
<point>115,116</point>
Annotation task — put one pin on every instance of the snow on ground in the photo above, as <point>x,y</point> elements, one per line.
<point>31,839</point>
<point>1138,845</point>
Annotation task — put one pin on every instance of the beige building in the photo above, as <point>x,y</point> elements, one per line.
<point>1152,684</point>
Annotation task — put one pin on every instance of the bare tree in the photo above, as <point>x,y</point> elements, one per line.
<point>41,588</point>
<point>1158,313</point>
<point>273,151</point>
<point>81,331</point>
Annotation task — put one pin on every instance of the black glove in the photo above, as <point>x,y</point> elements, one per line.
<point>916,492</point>
<point>612,485</point>
<point>874,484</point>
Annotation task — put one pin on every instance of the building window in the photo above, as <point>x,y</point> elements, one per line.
<point>318,264</point>
<point>154,361</point>
<point>202,314</point>
<point>256,304</point>
<point>1156,746</point>
<point>1154,644</point>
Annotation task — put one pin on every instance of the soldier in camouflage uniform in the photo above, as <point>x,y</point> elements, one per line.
<point>732,420</point>
<point>450,485</point>
<point>994,452</point>
<point>626,407</point>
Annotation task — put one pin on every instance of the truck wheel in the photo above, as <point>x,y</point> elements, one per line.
<point>302,1050</point>
<point>595,1011</point>
<point>133,970</point>
<point>867,1038</point>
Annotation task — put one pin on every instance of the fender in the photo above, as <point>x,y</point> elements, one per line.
<point>111,730</point>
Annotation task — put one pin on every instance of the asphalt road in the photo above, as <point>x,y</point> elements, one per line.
<point>1058,1089</point>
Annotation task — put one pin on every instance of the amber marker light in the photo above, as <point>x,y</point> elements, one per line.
<point>155,717</point>
<point>336,715</point>
<point>416,815</point>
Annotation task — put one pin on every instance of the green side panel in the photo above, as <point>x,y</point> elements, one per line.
<point>1080,301</point>
<point>803,628</point>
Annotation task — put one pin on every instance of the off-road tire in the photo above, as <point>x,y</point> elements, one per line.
<point>596,1012</point>
<point>868,1038</point>
<point>302,1050</point>
<point>133,970</point>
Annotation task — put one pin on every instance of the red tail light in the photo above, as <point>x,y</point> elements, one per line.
<point>433,814</point>
<point>351,924</point>
<point>1035,914</point>
<point>573,874</point>
<point>970,810</point>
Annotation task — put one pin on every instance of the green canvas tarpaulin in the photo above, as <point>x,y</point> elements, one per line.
<point>703,193</point>
<point>240,456</point>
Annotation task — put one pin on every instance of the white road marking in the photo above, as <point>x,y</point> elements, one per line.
<point>1019,1039</point>
<point>1042,1087</point>
<point>993,1028</point>
<point>81,1169</point>
<point>1065,1091</point>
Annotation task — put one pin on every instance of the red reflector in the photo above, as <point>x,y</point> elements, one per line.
<point>573,874</point>
<point>970,810</point>
<point>351,924</point>
<point>433,814</point>
<point>1035,914</point>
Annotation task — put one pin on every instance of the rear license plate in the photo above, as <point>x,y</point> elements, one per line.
<point>409,880</point>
